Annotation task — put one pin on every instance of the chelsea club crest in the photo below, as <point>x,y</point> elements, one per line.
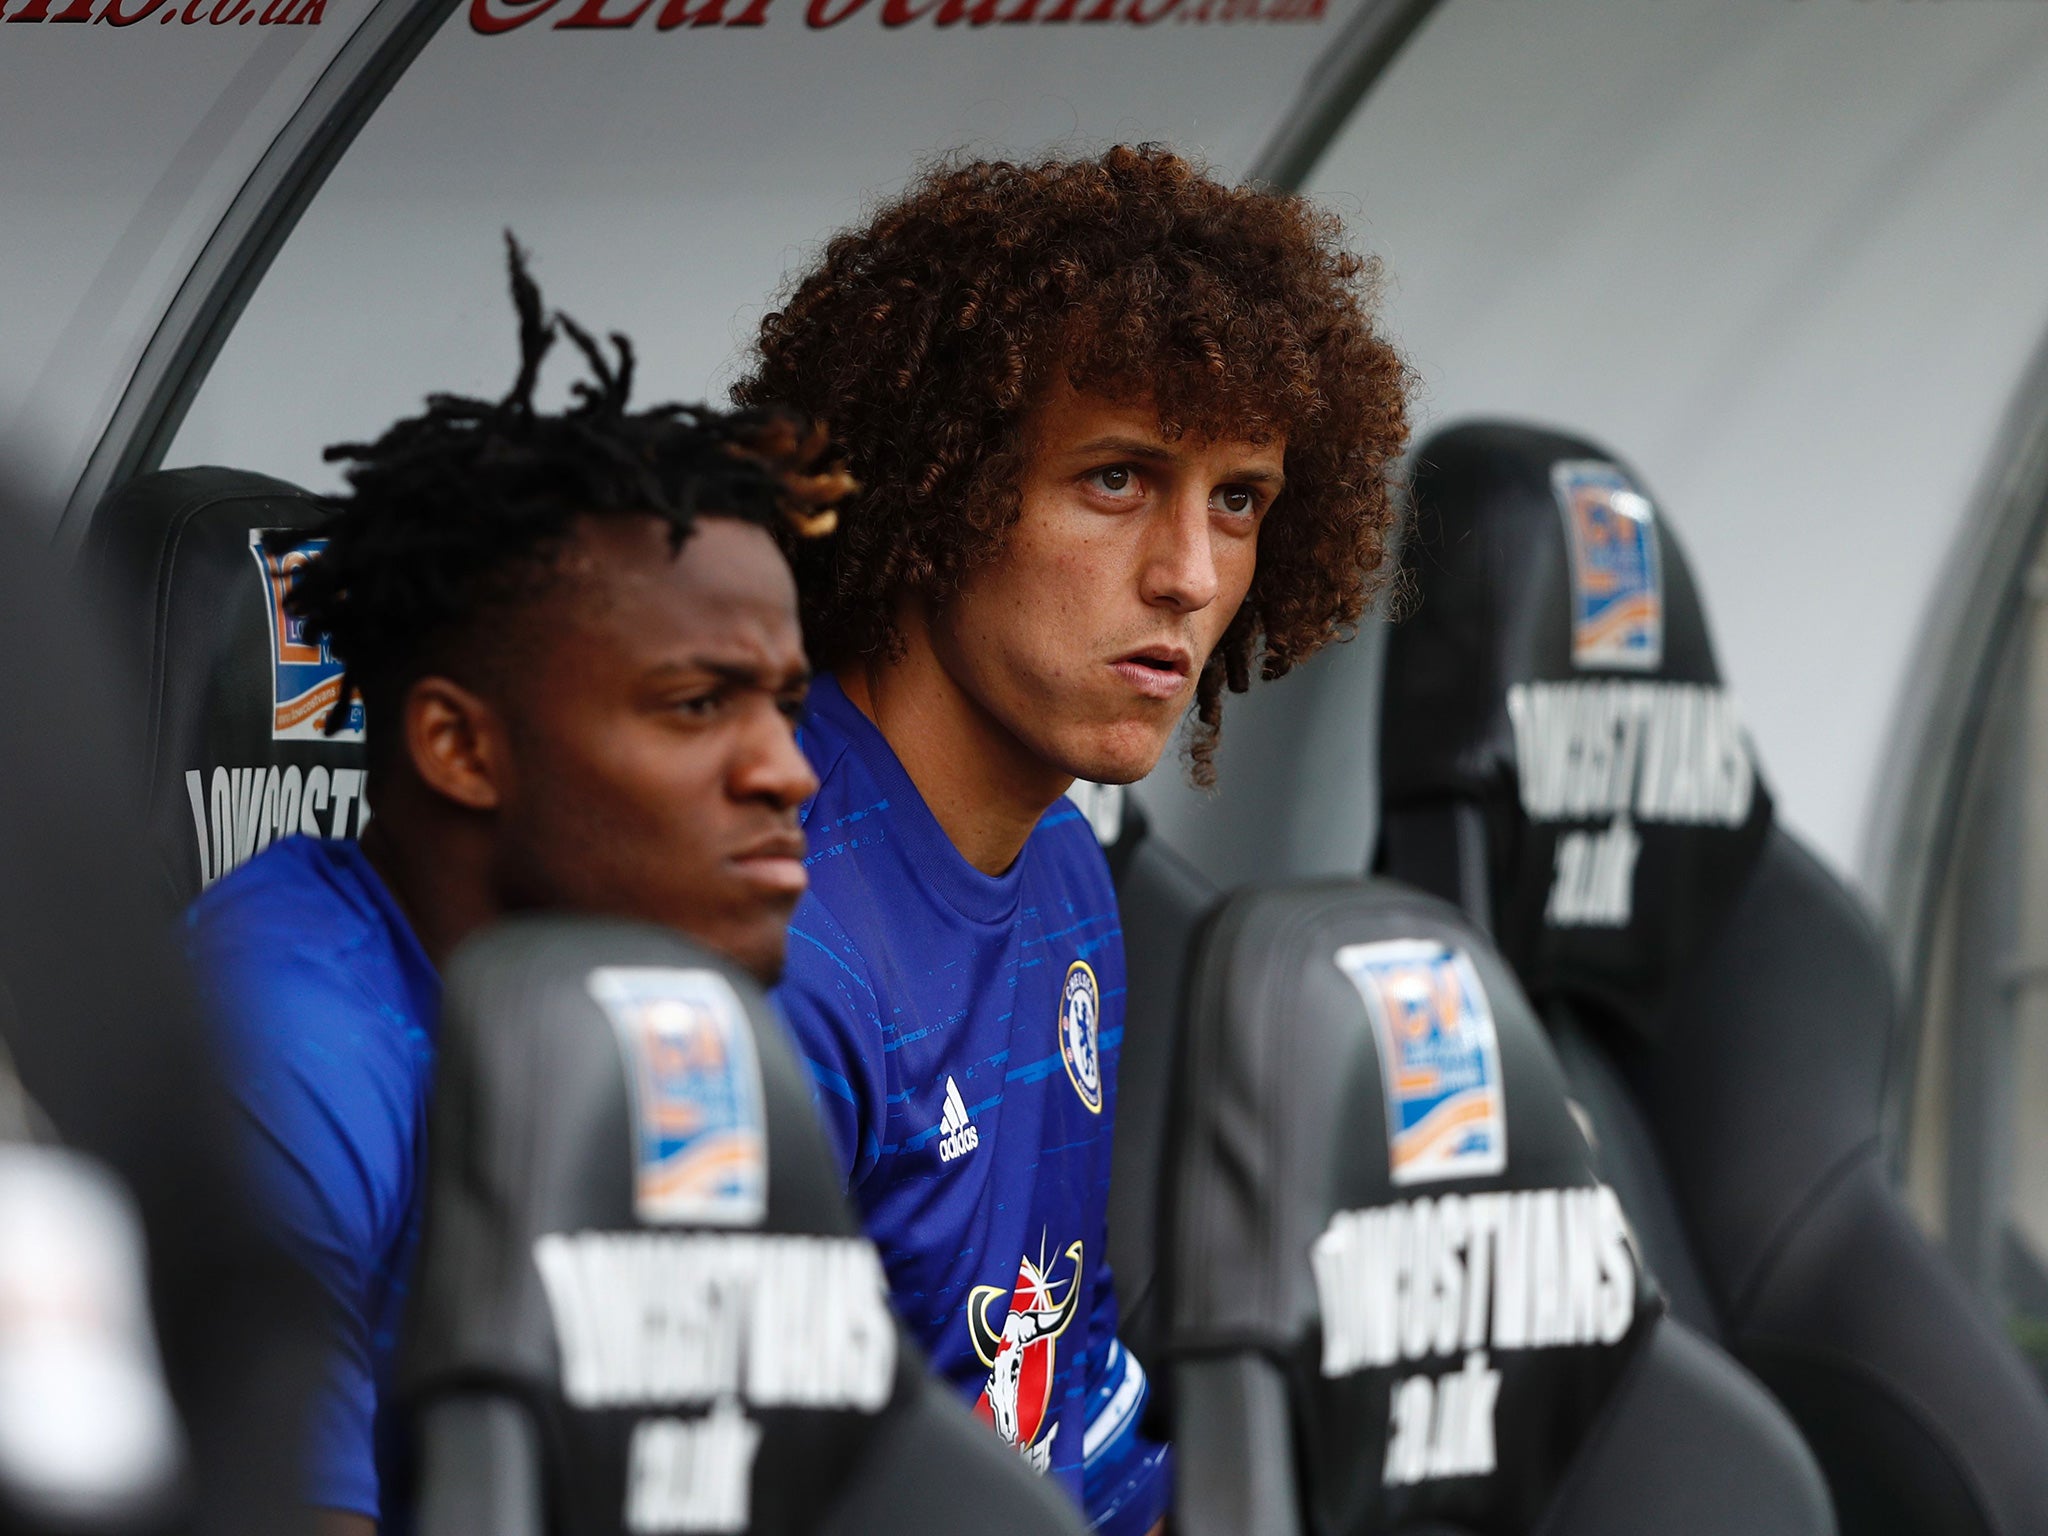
<point>1080,1014</point>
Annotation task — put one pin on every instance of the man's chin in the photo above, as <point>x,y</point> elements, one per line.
<point>753,935</point>
<point>1123,756</point>
<point>759,955</point>
<point>761,950</point>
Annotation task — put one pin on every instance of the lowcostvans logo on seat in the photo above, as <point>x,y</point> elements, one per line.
<point>1465,1277</point>
<point>242,811</point>
<point>1626,753</point>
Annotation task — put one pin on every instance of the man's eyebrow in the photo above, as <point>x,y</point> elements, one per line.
<point>1129,448</point>
<point>744,673</point>
<point>1160,453</point>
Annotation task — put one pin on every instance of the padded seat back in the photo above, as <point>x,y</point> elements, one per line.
<point>1559,756</point>
<point>235,696</point>
<point>1378,1186</point>
<point>1556,677</point>
<point>1163,903</point>
<point>109,1110</point>
<point>1398,1298</point>
<point>642,1302</point>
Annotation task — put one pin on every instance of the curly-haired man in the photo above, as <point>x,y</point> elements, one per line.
<point>1122,433</point>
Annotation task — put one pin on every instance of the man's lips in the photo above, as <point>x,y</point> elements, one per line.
<point>775,864</point>
<point>1157,672</point>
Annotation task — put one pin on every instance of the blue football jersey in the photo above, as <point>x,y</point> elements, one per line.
<point>962,1033</point>
<point>328,1007</point>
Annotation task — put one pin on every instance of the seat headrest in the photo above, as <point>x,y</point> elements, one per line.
<point>1378,1182</point>
<point>1556,672</point>
<point>236,697</point>
<point>634,1227</point>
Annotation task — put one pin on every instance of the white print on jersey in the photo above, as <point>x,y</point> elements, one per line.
<point>779,1320</point>
<point>1079,1030</point>
<point>957,1134</point>
<point>1020,1354</point>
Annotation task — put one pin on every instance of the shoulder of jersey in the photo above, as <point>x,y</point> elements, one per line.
<point>820,951</point>
<point>827,750</point>
<point>273,891</point>
<point>1066,833</point>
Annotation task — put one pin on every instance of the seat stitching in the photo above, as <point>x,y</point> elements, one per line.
<point>1922,1416</point>
<point>1780,1240</point>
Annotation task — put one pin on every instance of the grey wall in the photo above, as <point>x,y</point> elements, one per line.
<point>667,184</point>
<point>120,147</point>
<point>1788,256</point>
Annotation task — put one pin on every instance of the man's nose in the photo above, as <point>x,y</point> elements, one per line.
<point>770,765</point>
<point>1180,559</point>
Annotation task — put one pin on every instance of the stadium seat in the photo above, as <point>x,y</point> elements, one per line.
<point>234,697</point>
<point>1530,1381</point>
<point>1163,902</point>
<point>1559,757</point>
<point>155,1350</point>
<point>643,1303</point>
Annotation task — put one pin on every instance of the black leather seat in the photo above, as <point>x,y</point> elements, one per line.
<point>642,1302</point>
<point>1559,757</point>
<point>1309,1383</point>
<point>109,1110</point>
<point>235,697</point>
<point>1164,903</point>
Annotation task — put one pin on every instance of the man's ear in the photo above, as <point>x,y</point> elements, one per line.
<point>456,742</point>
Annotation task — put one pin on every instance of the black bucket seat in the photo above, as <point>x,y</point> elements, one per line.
<point>235,695</point>
<point>110,1111</point>
<point>1363,1250</point>
<point>1559,757</point>
<point>642,1301</point>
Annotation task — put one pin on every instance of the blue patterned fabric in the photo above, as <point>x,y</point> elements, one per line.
<point>328,1006</point>
<point>962,1032</point>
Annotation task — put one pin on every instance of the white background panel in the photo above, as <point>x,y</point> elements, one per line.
<point>120,147</point>
<point>1787,258</point>
<point>667,183</point>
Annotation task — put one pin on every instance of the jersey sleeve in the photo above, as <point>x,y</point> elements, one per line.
<point>327,1132</point>
<point>835,1016</point>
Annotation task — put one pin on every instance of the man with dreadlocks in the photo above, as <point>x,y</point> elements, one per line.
<point>577,647</point>
<point>1122,433</point>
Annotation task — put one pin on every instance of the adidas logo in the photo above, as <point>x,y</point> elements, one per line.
<point>957,1135</point>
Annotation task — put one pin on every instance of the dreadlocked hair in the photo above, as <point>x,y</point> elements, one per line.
<point>467,505</point>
